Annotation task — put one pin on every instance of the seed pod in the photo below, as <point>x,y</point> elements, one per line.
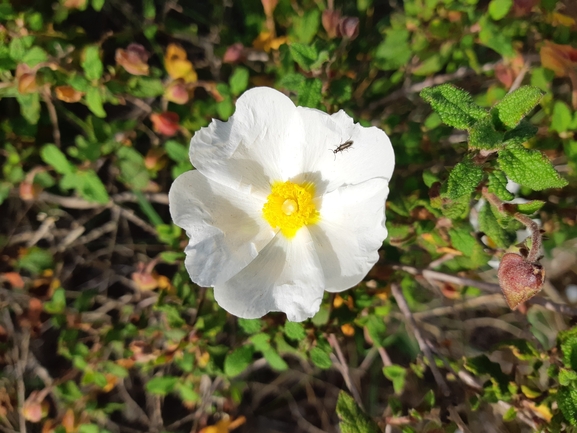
<point>520,279</point>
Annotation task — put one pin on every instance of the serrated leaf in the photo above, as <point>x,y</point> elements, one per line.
<point>161,385</point>
<point>456,209</point>
<point>464,179</point>
<point>568,340</point>
<point>498,185</point>
<point>516,105</point>
<point>294,330</point>
<point>54,157</point>
<point>483,135</point>
<point>353,419</point>
<point>236,362</point>
<point>304,54</point>
<point>489,225</point>
<point>530,207</point>
<point>292,82</point>
<point>529,168</point>
<point>310,93</point>
<point>523,132</point>
<point>567,401</point>
<point>567,377</point>
<point>91,62</point>
<point>397,375</point>
<point>320,358</point>
<point>454,105</point>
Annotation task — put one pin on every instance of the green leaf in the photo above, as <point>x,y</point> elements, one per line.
<point>292,82</point>
<point>94,102</point>
<point>320,358</point>
<point>97,5</point>
<point>304,54</point>
<point>305,27</point>
<point>57,303</point>
<point>54,157</point>
<point>568,340</point>
<point>310,93</point>
<point>561,118</point>
<point>397,375</point>
<point>90,187</point>
<point>567,401</point>
<point>483,135</point>
<point>523,132</point>
<point>236,362</point>
<point>394,52</point>
<point>34,56</point>
<point>91,62</point>
<point>498,185</point>
<point>161,385</point>
<point>567,377</point>
<point>490,226</point>
<point>30,107</point>
<point>498,9</point>
<point>250,326</point>
<point>530,207</point>
<point>510,415</point>
<point>454,105</point>
<point>238,80</point>
<point>145,87</point>
<point>516,105</point>
<point>463,179</point>
<point>294,331</point>
<point>529,168</point>
<point>275,360</point>
<point>353,419</point>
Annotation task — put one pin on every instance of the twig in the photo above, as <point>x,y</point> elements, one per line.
<point>488,287</point>
<point>480,301</point>
<point>345,370</point>
<point>47,98</point>
<point>21,360</point>
<point>454,415</point>
<point>404,307</point>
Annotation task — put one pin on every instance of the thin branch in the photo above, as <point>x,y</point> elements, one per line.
<point>345,370</point>
<point>404,307</point>
<point>454,415</point>
<point>47,98</point>
<point>488,287</point>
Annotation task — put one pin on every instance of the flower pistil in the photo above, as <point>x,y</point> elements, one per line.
<point>290,206</point>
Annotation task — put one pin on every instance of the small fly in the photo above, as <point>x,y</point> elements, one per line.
<point>342,146</point>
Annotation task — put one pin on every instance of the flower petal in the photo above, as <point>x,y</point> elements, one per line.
<point>225,227</point>
<point>286,276</point>
<point>262,142</point>
<point>350,232</point>
<point>371,154</point>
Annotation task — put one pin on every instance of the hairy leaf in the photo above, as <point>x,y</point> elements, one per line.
<point>498,185</point>
<point>463,179</point>
<point>516,105</point>
<point>455,106</point>
<point>353,419</point>
<point>529,168</point>
<point>483,135</point>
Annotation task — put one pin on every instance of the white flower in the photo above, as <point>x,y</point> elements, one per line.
<point>274,216</point>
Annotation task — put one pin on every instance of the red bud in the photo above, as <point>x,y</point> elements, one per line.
<point>520,279</point>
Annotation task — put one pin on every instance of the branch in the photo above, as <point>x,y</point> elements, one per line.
<point>404,307</point>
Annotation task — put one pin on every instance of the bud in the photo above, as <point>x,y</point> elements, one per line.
<point>349,27</point>
<point>68,94</point>
<point>165,123</point>
<point>134,59</point>
<point>26,79</point>
<point>234,53</point>
<point>520,279</point>
<point>177,92</point>
<point>330,21</point>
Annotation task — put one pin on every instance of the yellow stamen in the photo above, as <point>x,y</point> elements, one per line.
<point>290,206</point>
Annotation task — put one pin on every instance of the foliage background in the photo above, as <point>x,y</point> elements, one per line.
<point>100,327</point>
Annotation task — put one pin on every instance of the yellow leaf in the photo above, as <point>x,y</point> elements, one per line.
<point>177,65</point>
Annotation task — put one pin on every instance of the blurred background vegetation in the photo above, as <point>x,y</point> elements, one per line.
<point>100,326</point>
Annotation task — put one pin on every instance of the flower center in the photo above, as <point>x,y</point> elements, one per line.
<point>290,206</point>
